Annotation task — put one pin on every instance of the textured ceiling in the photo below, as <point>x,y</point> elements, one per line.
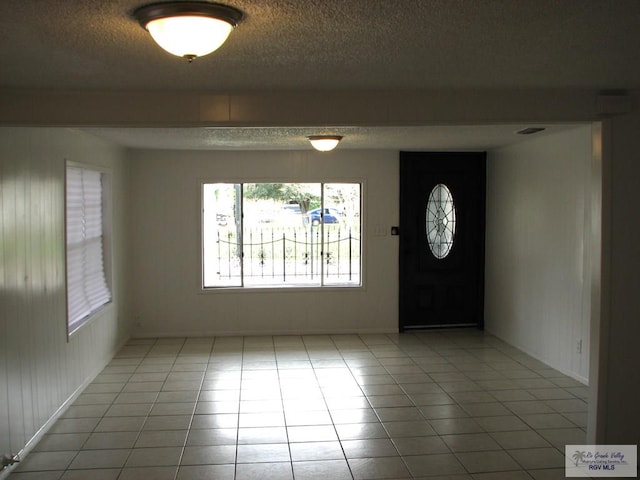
<point>343,45</point>
<point>441,138</point>
<point>331,44</point>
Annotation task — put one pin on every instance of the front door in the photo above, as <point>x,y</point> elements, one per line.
<point>442,216</point>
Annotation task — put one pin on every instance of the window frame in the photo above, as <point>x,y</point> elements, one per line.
<point>107,254</point>
<point>284,287</point>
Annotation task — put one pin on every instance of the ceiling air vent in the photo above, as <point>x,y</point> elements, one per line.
<point>530,130</point>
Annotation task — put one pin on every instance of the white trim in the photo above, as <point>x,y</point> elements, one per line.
<point>361,286</point>
<point>564,371</point>
<point>33,441</point>
<point>251,333</point>
<point>107,234</point>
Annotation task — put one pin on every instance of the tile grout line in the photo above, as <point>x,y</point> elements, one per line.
<point>284,413</point>
<point>195,407</point>
<point>348,352</point>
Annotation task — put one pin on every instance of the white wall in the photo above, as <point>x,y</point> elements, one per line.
<point>617,389</point>
<point>165,188</point>
<point>618,396</point>
<point>39,369</point>
<point>538,248</point>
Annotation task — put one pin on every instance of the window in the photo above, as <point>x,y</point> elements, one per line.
<point>87,285</point>
<point>440,221</point>
<point>281,234</point>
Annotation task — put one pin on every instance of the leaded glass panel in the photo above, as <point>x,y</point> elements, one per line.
<point>440,221</point>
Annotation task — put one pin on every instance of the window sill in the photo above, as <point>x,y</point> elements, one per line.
<point>99,313</point>
<point>298,289</point>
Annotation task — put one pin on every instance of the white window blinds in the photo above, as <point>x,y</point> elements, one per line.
<point>87,288</point>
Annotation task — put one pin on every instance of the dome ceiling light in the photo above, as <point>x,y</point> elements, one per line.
<point>324,143</point>
<point>188,29</point>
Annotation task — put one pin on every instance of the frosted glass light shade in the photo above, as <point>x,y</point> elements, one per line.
<point>188,29</point>
<point>189,36</point>
<point>324,143</point>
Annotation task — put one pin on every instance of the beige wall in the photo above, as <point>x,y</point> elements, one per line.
<point>165,188</point>
<point>39,369</point>
<point>538,248</point>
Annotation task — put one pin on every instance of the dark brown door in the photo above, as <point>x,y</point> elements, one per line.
<point>442,216</point>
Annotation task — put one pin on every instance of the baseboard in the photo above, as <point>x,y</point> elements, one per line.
<point>245,333</point>
<point>575,376</point>
<point>33,441</point>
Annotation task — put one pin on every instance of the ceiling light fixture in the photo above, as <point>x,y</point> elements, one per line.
<point>188,29</point>
<point>324,143</point>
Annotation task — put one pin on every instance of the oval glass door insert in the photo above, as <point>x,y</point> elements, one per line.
<point>440,221</point>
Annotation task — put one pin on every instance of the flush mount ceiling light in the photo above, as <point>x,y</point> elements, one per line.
<point>324,143</point>
<point>188,29</point>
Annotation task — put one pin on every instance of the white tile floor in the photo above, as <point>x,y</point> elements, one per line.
<point>443,404</point>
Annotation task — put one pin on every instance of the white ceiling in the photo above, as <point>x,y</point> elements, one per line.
<point>350,45</point>
<point>480,138</point>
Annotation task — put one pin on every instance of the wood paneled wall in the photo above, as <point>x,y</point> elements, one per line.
<point>40,369</point>
<point>538,248</point>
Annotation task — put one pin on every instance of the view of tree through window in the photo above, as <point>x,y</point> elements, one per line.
<point>281,234</point>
